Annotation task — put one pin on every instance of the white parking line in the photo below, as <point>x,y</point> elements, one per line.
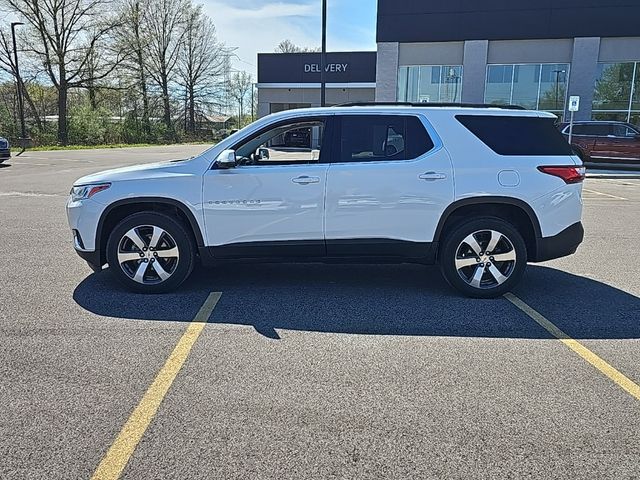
<point>604,194</point>
<point>29,194</point>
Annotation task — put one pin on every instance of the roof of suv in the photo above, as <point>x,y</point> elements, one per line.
<point>598,122</point>
<point>413,108</point>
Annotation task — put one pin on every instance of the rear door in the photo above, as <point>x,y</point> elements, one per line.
<point>605,142</point>
<point>387,186</point>
<point>625,143</point>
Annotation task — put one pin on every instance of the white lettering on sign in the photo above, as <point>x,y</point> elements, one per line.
<point>331,67</point>
<point>574,103</point>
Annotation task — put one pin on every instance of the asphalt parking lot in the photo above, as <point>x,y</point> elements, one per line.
<point>311,371</point>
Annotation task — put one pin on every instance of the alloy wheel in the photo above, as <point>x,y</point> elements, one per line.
<point>148,254</point>
<point>485,259</point>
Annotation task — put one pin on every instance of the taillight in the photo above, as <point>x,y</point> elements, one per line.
<point>570,174</point>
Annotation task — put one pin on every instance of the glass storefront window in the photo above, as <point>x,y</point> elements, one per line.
<point>533,86</point>
<point>613,86</point>
<point>430,83</point>
<point>499,84</point>
<point>617,92</point>
<point>553,87</point>
<point>281,107</point>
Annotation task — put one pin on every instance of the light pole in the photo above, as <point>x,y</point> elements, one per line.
<point>558,72</point>
<point>323,55</point>
<point>23,128</point>
<point>253,113</point>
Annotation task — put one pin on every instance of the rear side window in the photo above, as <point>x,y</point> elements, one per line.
<point>512,135</point>
<point>370,138</point>
<point>592,130</point>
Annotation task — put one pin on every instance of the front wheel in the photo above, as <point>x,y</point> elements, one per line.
<point>483,258</point>
<point>150,252</point>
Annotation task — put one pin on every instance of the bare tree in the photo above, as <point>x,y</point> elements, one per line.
<point>133,36</point>
<point>201,66</point>
<point>287,46</point>
<point>239,87</point>
<point>165,20</point>
<point>65,35</point>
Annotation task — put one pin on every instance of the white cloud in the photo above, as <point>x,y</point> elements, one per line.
<point>260,29</point>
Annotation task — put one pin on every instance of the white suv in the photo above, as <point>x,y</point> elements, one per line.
<point>480,191</point>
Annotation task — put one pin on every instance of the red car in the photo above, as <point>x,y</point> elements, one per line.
<point>605,144</point>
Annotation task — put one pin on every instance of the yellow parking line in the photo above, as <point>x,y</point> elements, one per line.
<point>127,440</point>
<point>616,376</point>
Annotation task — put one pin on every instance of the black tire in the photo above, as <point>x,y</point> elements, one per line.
<point>580,153</point>
<point>455,249</point>
<point>175,235</point>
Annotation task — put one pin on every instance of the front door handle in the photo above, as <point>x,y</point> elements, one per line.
<point>430,176</point>
<point>305,180</point>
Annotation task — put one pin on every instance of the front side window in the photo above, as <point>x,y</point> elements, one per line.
<point>294,143</point>
<point>622,131</point>
<point>369,138</point>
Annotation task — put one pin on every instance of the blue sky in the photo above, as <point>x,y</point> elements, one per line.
<point>259,25</point>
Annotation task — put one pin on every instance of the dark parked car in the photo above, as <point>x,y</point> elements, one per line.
<point>5,149</point>
<point>605,144</point>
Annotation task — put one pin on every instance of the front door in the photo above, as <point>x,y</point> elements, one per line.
<point>388,185</point>
<point>272,202</point>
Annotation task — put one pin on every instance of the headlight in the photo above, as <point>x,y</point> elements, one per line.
<point>82,192</point>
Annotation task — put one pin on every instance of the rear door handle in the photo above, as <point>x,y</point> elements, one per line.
<point>305,180</point>
<point>432,176</point>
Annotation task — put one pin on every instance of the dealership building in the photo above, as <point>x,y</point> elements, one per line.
<point>292,80</point>
<point>533,54</point>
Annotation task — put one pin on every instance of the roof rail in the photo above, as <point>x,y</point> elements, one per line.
<point>423,105</point>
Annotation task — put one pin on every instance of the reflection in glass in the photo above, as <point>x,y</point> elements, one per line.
<point>617,92</point>
<point>430,84</point>
<point>613,86</point>
<point>532,86</point>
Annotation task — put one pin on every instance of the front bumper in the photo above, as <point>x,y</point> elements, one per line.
<point>564,243</point>
<point>92,258</point>
<point>5,154</point>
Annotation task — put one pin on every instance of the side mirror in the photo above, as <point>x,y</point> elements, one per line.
<point>227,159</point>
<point>262,153</point>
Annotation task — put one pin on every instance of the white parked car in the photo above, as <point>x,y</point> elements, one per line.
<point>480,191</point>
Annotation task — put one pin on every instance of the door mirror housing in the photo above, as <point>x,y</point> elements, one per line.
<point>262,153</point>
<point>227,159</point>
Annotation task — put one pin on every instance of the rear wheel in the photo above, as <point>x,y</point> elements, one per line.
<point>483,258</point>
<point>150,252</point>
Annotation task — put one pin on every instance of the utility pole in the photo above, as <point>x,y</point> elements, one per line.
<point>253,86</point>
<point>323,57</point>
<point>23,128</point>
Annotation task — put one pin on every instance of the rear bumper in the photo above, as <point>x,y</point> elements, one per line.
<point>564,243</point>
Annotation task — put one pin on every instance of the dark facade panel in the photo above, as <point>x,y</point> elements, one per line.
<point>342,67</point>
<point>457,20</point>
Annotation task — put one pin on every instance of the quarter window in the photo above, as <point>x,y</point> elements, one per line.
<point>382,138</point>
<point>513,135</point>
